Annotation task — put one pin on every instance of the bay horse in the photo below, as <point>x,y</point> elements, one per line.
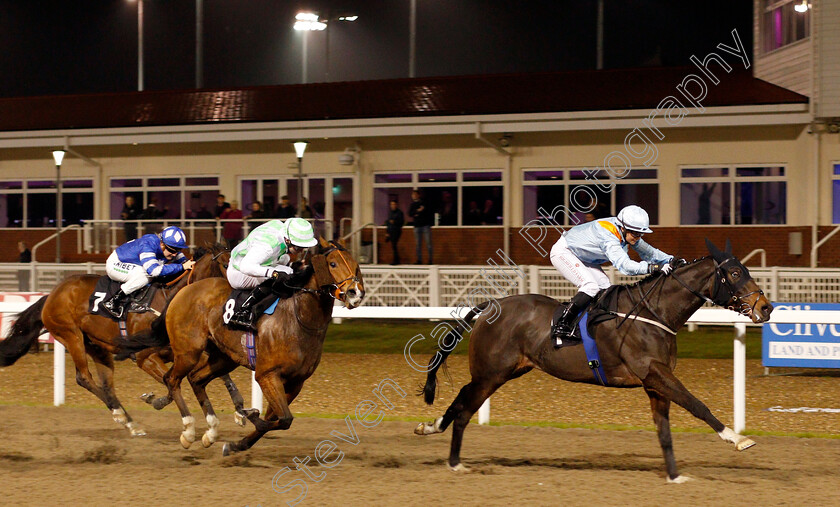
<point>637,349</point>
<point>64,314</point>
<point>288,342</point>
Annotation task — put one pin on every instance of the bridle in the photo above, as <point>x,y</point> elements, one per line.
<point>338,289</point>
<point>724,293</point>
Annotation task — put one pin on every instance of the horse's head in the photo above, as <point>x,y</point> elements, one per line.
<point>346,282</point>
<point>734,288</point>
<point>211,261</point>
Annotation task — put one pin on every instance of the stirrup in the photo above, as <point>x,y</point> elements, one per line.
<point>110,308</point>
<point>246,321</point>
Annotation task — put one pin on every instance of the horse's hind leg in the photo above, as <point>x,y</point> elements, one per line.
<point>183,365</point>
<point>238,402</point>
<point>466,404</point>
<point>272,421</point>
<point>661,380</point>
<point>199,378</point>
<point>104,362</point>
<point>660,407</point>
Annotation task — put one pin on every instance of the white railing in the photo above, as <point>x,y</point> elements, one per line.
<point>439,285</point>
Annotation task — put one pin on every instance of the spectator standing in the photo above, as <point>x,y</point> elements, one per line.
<point>257,216</point>
<point>394,226</point>
<point>284,209</point>
<point>152,212</point>
<point>422,221</point>
<point>131,211</point>
<point>232,228</point>
<point>305,210</point>
<point>474,215</point>
<point>221,206</point>
<point>23,274</point>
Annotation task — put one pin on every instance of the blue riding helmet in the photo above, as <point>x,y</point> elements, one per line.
<point>174,237</point>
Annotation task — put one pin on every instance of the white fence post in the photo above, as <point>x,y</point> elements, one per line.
<point>739,364</point>
<point>534,279</point>
<point>58,373</point>
<point>484,412</point>
<point>256,393</point>
<point>434,286</point>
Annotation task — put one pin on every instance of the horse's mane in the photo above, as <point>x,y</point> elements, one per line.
<point>656,276</point>
<point>208,248</point>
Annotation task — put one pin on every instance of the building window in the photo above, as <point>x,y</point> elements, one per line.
<point>733,195</point>
<point>177,197</point>
<point>31,203</point>
<point>784,22</point>
<point>564,196</point>
<point>463,197</point>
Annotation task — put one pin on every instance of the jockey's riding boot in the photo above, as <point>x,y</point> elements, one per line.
<point>114,306</point>
<point>245,316</point>
<point>562,326</point>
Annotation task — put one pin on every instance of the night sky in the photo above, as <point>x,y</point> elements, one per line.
<point>84,46</point>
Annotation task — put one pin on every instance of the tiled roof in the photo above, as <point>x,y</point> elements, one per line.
<point>590,90</point>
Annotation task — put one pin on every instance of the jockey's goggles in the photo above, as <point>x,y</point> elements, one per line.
<point>170,249</point>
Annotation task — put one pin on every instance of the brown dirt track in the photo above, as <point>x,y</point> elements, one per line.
<point>75,454</point>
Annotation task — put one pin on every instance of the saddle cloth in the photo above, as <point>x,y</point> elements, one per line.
<point>237,298</point>
<point>106,288</point>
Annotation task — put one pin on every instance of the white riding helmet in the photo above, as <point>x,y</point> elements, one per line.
<point>300,232</point>
<point>634,218</point>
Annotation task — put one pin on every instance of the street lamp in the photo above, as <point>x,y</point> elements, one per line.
<point>139,45</point>
<point>58,156</point>
<point>300,147</point>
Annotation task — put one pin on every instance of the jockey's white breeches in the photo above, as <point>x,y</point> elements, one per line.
<point>239,280</point>
<point>588,278</point>
<point>133,276</point>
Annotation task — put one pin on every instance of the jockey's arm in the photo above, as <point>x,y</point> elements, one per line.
<point>252,263</point>
<point>155,267</point>
<point>651,254</point>
<point>619,258</point>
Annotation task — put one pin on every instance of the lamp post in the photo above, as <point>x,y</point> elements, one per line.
<point>300,147</point>
<point>58,156</point>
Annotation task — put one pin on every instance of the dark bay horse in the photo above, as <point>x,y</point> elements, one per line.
<point>64,313</point>
<point>288,343</point>
<point>634,353</point>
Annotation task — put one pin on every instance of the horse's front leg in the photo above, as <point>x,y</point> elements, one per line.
<point>661,380</point>
<point>660,407</point>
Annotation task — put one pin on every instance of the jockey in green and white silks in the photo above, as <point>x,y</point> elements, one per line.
<point>265,254</point>
<point>581,250</point>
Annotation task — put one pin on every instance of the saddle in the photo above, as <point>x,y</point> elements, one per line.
<point>601,309</point>
<point>141,300</point>
<point>237,297</point>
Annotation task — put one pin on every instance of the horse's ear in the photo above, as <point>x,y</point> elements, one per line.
<point>323,242</point>
<point>342,242</point>
<point>712,248</point>
<point>728,247</point>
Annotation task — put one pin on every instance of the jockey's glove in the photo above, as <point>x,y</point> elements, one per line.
<point>659,268</point>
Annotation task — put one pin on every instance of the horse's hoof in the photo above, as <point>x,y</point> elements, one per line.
<point>744,444</point>
<point>458,468</point>
<point>207,440</point>
<point>135,430</point>
<point>147,397</point>
<point>239,419</point>
<point>227,449</point>
<point>184,442</point>
<point>678,479</point>
<point>420,429</point>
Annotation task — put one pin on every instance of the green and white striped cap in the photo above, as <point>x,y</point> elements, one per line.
<point>300,232</point>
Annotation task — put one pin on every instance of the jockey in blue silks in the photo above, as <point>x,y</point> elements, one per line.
<point>581,250</point>
<point>138,262</point>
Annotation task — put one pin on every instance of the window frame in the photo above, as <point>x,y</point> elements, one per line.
<point>765,29</point>
<point>459,185</point>
<point>25,191</point>
<point>732,178</point>
<point>144,188</point>
<point>568,183</point>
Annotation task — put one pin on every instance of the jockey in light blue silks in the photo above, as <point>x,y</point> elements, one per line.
<point>581,250</point>
<point>265,254</point>
<point>138,262</point>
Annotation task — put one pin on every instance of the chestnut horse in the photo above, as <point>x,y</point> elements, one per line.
<point>639,350</point>
<point>64,314</point>
<point>288,343</point>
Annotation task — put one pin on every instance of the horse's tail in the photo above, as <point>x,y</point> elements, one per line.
<point>23,335</point>
<point>439,359</point>
<point>155,336</point>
